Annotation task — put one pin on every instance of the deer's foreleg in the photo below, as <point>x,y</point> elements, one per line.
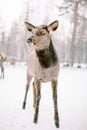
<point>38,96</point>
<point>25,97</point>
<point>34,95</point>
<point>26,91</point>
<point>54,90</point>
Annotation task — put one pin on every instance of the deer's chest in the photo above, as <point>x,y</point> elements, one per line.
<point>35,68</point>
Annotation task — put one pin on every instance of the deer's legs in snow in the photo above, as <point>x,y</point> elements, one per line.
<point>26,91</point>
<point>34,95</point>
<point>54,90</point>
<point>38,97</point>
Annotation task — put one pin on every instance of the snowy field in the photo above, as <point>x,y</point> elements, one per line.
<point>72,100</point>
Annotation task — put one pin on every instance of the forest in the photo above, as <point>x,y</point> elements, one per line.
<point>70,39</point>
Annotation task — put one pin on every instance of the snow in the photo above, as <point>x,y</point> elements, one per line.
<point>72,96</point>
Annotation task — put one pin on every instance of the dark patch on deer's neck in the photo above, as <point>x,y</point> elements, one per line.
<point>47,57</point>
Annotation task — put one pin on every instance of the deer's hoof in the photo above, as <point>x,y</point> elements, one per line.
<point>24,104</point>
<point>35,121</point>
<point>57,124</point>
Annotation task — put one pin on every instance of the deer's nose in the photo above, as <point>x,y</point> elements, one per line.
<point>29,40</point>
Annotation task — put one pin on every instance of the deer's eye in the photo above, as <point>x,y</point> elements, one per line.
<point>43,33</point>
<point>38,33</point>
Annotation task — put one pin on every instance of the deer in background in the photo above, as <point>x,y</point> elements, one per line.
<point>2,59</point>
<point>42,65</point>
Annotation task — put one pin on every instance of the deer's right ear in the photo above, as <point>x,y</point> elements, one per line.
<point>29,26</point>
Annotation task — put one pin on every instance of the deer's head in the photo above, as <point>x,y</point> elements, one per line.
<point>40,37</point>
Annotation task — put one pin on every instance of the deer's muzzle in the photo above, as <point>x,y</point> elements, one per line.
<point>29,40</point>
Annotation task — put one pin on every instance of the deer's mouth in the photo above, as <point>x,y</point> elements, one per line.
<point>31,43</point>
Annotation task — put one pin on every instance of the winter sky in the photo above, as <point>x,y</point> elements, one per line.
<point>10,10</point>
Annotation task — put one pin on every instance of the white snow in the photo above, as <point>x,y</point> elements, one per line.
<point>72,96</point>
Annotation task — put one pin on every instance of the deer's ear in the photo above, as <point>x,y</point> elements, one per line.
<point>53,26</point>
<point>29,26</point>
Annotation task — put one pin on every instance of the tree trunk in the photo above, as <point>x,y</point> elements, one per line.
<point>72,47</point>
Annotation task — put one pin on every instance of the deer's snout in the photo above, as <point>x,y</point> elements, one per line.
<point>29,40</point>
<point>32,41</point>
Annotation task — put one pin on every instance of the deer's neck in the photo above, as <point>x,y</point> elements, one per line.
<point>47,57</point>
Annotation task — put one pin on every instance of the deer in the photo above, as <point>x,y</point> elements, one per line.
<point>2,59</point>
<point>42,65</point>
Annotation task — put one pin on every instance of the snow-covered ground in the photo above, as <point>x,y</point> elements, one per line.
<point>72,100</point>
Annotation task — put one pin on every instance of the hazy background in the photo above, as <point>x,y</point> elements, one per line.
<point>70,38</point>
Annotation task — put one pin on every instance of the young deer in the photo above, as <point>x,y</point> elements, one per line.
<point>2,59</point>
<point>43,65</point>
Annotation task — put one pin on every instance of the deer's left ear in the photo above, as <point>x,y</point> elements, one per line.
<point>53,26</point>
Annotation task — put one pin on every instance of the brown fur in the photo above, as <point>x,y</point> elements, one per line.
<point>47,57</point>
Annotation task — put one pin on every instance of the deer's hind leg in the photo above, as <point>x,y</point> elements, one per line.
<point>26,91</point>
<point>54,90</point>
